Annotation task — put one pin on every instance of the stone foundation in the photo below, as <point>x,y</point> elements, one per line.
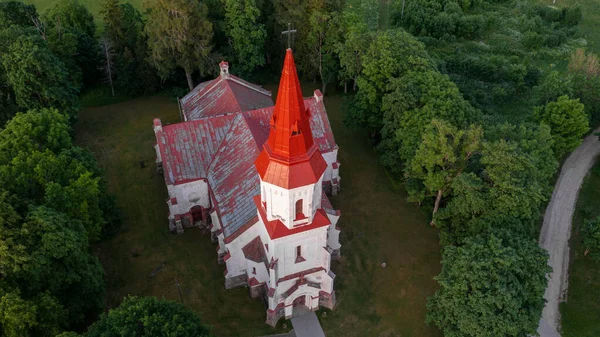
<point>336,254</point>
<point>327,300</point>
<point>236,281</point>
<point>257,291</point>
<point>273,316</point>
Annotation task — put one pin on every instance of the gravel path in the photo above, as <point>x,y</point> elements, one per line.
<point>556,230</point>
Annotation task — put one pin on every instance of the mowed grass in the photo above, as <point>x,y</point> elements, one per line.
<point>377,223</point>
<point>581,312</point>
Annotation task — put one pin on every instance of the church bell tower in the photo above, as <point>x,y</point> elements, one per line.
<point>290,166</point>
<point>291,169</point>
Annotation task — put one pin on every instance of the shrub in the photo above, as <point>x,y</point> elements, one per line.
<point>591,238</point>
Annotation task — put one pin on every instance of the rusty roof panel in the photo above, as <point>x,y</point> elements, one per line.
<point>188,148</point>
<point>224,95</point>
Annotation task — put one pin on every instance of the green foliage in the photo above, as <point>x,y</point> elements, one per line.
<point>247,35</point>
<point>552,87</point>
<point>568,123</point>
<point>71,35</point>
<point>507,185</point>
<point>124,29</point>
<point>179,35</point>
<point>591,238</point>
<point>48,251</point>
<point>37,77</point>
<point>16,13</point>
<point>392,54</point>
<point>71,14</point>
<point>585,71</point>
<point>493,285</point>
<point>39,164</point>
<point>352,48</point>
<point>440,18</point>
<point>59,181</point>
<point>519,163</point>
<point>148,316</point>
<point>411,103</point>
<point>442,156</point>
<point>41,316</point>
<point>36,130</point>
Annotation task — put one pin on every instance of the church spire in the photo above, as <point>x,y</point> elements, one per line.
<point>290,134</point>
<point>290,157</point>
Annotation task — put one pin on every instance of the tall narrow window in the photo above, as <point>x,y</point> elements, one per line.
<point>299,257</point>
<point>299,212</point>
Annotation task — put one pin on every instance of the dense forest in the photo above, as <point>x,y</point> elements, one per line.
<point>471,104</point>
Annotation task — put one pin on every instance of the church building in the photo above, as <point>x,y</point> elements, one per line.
<point>257,175</point>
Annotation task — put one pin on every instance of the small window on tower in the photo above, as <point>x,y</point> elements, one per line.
<point>254,270</point>
<point>299,257</point>
<point>299,212</point>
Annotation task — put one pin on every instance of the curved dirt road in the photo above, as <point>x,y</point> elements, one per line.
<point>556,230</point>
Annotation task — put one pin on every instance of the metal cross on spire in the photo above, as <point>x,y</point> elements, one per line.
<point>289,33</point>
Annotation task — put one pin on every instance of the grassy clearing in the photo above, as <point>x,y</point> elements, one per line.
<point>581,311</point>
<point>377,225</point>
<point>93,6</point>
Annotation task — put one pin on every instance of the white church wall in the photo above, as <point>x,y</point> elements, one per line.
<point>333,237</point>
<point>310,242</point>
<point>188,195</point>
<point>257,270</point>
<point>281,202</point>
<point>236,264</point>
<point>330,158</point>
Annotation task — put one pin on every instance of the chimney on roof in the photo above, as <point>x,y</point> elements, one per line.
<point>224,69</point>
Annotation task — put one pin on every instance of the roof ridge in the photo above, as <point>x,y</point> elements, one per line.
<point>250,85</point>
<point>234,123</point>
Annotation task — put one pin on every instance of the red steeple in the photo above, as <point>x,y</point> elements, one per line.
<point>290,157</point>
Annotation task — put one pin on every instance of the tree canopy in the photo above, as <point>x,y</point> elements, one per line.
<point>493,285</point>
<point>37,77</point>
<point>148,316</point>
<point>246,33</point>
<point>179,35</point>
<point>568,123</point>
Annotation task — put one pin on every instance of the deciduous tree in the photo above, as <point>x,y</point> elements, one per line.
<point>442,156</point>
<point>568,123</point>
<point>411,103</point>
<point>179,35</point>
<point>149,317</point>
<point>246,33</point>
<point>37,77</point>
<point>53,257</point>
<point>493,285</point>
<point>392,54</point>
<point>591,237</point>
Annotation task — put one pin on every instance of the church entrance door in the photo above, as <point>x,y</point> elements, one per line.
<point>197,212</point>
<point>299,305</point>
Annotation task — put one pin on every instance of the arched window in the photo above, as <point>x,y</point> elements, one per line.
<point>299,212</point>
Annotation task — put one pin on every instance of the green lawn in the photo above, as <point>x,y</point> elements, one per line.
<point>377,226</point>
<point>581,311</point>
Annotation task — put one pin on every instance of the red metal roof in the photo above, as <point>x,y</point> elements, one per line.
<point>225,94</point>
<point>290,157</point>
<point>255,251</point>
<point>191,151</point>
<point>278,229</point>
<point>187,149</point>
<point>232,176</point>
